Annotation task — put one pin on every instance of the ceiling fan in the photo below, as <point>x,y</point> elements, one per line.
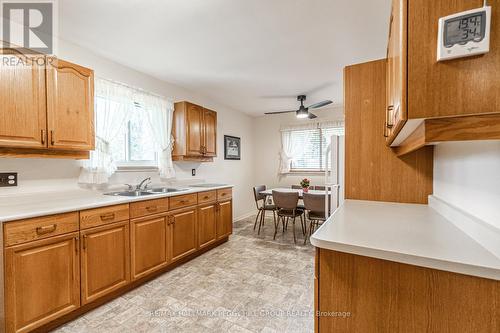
<point>303,112</point>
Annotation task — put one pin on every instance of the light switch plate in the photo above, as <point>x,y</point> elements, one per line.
<point>193,172</point>
<point>8,179</point>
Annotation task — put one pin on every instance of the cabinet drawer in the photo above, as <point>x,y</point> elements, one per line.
<point>225,193</point>
<point>143,208</point>
<point>185,200</point>
<point>28,230</point>
<point>208,196</point>
<point>104,215</point>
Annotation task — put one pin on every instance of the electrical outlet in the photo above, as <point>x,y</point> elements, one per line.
<point>8,179</point>
<point>193,172</point>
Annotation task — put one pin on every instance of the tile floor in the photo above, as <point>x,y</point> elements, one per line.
<point>249,284</point>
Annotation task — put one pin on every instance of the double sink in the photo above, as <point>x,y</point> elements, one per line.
<point>140,193</point>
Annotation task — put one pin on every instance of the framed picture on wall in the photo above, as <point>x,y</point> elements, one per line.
<point>232,147</point>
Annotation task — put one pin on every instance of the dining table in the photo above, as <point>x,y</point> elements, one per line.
<point>291,190</point>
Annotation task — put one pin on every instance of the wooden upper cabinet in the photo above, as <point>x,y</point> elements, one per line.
<point>23,122</point>
<point>183,224</point>
<point>194,125</point>
<point>105,260</point>
<point>418,86</point>
<point>195,133</point>
<point>224,219</point>
<point>149,239</point>
<point>70,106</point>
<point>209,133</point>
<point>42,282</point>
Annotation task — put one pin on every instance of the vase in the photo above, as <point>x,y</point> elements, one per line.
<point>305,189</point>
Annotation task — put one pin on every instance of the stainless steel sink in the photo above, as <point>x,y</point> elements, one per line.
<point>167,190</point>
<point>130,193</point>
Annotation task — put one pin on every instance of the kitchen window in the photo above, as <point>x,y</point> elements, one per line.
<point>303,148</point>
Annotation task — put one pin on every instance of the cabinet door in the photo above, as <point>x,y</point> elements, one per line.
<point>207,225</point>
<point>70,106</point>
<point>105,260</point>
<point>23,110</point>
<point>224,219</point>
<point>148,239</point>
<point>194,124</point>
<point>183,225</point>
<point>396,70</point>
<point>42,282</point>
<point>209,133</point>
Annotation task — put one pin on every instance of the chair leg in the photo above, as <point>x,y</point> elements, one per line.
<point>261,222</point>
<point>293,225</point>
<point>305,234</point>
<point>276,224</point>
<point>256,218</point>
<point>283,224</point>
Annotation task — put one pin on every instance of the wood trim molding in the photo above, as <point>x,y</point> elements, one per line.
<point>463,128</point>
<point>43,153</point>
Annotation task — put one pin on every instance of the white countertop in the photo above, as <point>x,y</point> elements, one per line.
<point>17,207</point>
<point>406,233</point>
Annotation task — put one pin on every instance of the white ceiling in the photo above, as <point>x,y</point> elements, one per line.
<point>254,55</point>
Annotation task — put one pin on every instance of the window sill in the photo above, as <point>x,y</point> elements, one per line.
<point>305,172</point>
<point>136,168</point>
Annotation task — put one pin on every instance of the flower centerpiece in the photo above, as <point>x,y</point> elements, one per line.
<point>305,184</point>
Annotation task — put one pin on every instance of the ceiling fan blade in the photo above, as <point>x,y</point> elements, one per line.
<point>320,104</point>
<point>312,116</point>
<point>278,112</point>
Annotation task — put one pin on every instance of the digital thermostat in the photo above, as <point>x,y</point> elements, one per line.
<point>464,34</point>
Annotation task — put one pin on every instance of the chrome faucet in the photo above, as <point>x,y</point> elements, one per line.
<point>146,181</point>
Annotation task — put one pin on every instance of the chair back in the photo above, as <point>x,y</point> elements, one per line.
<point>320,188</point>
<point>314,203</point>
<point>296,187</point>
<point>286,200</point>
<point>257,195</point>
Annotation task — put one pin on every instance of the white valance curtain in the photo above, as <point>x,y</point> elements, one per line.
<point>292,146</point>
<point>113,104</point>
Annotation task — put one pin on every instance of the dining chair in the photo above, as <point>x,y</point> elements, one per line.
<point>315,207</point>
<point>296,187</point>
<point>263,207</point>
<point>320,188</point>
<point>286,204</point>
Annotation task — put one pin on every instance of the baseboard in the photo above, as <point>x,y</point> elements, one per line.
<point>482,232</point>
<point>244,216</point>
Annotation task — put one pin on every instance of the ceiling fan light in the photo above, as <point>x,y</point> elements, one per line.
<point>302,114</point>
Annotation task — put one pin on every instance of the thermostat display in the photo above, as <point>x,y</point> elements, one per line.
<point>464,34</point>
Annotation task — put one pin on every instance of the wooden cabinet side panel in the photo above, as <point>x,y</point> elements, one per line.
<point>23,114</point>
<point>42,282</point>
<point>454,87</point>
<point>372,170</point>
<point>384,296</point>
<point>179,129</point>
<point>210,132</point>
<point>225,219</point>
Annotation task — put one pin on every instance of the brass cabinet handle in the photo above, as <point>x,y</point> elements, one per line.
<point>206,197</point>
<point>389,119</point>
<point>183,201</point>
<point>46,229</point>
<point>108,216</point>
<point>43,137</point>
<point>52,139</point>
<point>152,208</point>
<point>84,243</point>
<point>385,130</point>
<point>223,194</point>
<point>77,244</point>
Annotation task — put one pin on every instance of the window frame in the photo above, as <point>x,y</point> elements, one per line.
<point>321,170</point>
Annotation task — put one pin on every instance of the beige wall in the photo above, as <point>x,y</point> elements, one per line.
<point>268,145</point>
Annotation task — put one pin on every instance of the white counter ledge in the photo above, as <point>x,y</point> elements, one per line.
<point>406,233</point>
<point>23,206</point>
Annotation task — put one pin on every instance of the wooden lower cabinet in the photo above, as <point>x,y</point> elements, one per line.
<point>207,225</point>
<point>360,294</point>
<point>224,219</point>
<point>183,224</point>
<point>149,239</point>
<point>42,281</point>
<point>105,260</point>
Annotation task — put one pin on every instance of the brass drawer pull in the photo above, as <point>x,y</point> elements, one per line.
<point>206,197</point>
<point>184,201</point>
<point>223,194</point>
<point>152,208</point>
<point>108,216</point>
<point>46,229</point>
